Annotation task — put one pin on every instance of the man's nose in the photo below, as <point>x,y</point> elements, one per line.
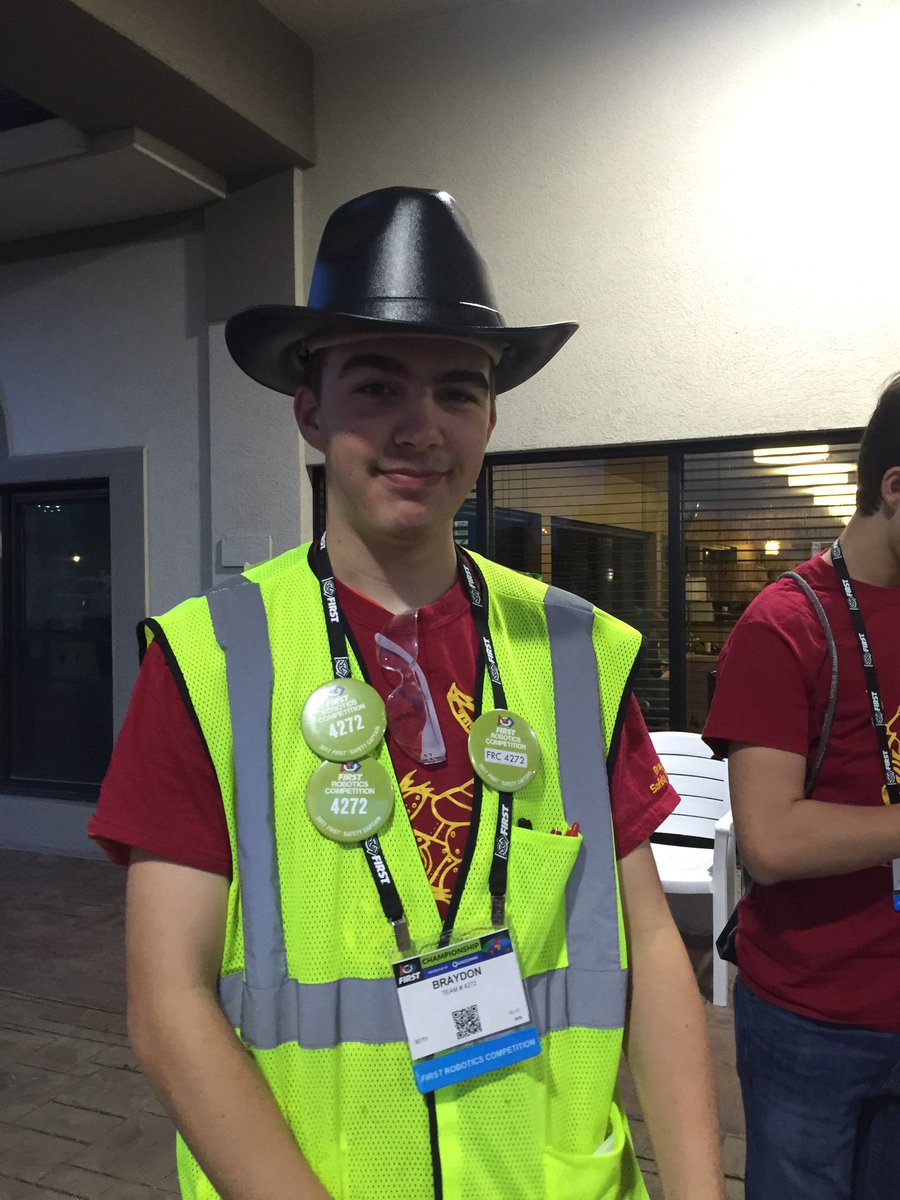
<point>418,422</point>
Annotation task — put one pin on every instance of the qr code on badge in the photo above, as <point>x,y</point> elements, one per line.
<point>467,1021</point>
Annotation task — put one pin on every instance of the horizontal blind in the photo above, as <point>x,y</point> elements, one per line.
<point>598,528</point>
<point>748,516</point>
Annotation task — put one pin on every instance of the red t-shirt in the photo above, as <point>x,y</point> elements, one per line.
<point>161,793</point>
<point>824,948</point>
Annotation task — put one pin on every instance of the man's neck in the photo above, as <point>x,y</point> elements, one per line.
<point>398,576</point>
<point>871,557</point>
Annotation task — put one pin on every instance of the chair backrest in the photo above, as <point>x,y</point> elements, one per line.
<point>699,779</point>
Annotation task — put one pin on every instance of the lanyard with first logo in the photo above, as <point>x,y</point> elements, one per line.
<point>874,693</point>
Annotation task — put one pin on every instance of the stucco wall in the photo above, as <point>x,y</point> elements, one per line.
<point>708,188</point>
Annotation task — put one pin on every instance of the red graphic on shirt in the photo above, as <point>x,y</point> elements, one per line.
<point>441,818</point>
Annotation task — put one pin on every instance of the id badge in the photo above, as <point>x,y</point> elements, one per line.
<point>465,1009</point>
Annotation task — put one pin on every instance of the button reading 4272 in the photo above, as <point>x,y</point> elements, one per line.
<point>343,720</point>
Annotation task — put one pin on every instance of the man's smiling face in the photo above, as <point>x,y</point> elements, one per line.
<point>403,423</point>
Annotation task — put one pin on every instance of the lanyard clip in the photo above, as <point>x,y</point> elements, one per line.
<point>498,911</point>
<point>401,934</point>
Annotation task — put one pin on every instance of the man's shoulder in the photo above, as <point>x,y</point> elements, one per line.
<point>273,570</point>
<point>783,605</point>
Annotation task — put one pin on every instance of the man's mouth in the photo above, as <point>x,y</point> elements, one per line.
<point>413,477</point>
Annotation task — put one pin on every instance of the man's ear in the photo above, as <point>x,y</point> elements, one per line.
<point>306,414</point>
<point>890,488</point>
<point>492,420</point>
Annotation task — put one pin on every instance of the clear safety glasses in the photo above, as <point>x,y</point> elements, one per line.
<point>411,716</point>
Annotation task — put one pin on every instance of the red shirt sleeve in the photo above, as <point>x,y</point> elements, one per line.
<point>641,796</point>
<point>772,660</point>
<point>161,793</point>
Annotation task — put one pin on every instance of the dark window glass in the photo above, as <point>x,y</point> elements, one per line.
<point>598,528</point>
<point>58,681</point>
<point>748,516</point>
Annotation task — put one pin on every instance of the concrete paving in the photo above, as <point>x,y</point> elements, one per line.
<point>76,1117</point>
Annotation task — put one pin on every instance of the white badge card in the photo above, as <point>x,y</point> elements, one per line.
<point>466,1004</point>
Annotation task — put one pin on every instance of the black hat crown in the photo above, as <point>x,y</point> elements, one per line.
<point>397,261</point>
<point>402,255</point>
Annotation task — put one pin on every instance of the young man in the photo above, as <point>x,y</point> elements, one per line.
<point>817,1002</point>
<point>277,890</point>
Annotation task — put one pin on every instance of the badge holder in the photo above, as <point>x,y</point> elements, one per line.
<point>465,1009</point>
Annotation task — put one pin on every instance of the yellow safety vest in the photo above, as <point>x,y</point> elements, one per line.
<point>306,974</point>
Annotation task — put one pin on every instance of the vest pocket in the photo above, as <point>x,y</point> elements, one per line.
<point>539,868</point>
<point>596,1176</point>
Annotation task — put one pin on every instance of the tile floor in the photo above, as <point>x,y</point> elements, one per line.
<point>76,1117</point>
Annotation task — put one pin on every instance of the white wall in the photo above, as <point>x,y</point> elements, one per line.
<point>708,188</point>
<point>102,349</point>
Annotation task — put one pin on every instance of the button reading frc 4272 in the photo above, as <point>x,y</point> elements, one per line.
<point>504,750</point>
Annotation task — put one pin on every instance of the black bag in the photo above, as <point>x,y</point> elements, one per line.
<point>726,942</point>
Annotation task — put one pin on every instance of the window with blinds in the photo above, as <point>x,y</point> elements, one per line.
<point>598,528</point>
<point>748,516</point>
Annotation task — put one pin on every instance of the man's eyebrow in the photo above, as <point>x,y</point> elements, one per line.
<point>475,378</point>
<point>377,362</point>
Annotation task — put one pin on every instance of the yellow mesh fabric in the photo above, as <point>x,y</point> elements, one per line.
<point>355,1110</point>
<point>564,1098</point>
<point>360,1142</point>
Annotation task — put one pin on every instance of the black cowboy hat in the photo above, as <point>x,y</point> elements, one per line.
<point>396,261</point>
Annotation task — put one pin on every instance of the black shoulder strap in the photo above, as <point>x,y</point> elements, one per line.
<point>813,770</point>
<point>726,943</point>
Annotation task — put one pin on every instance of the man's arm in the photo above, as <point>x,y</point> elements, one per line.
<point>783,836</point>
<point>666,1042</point>
<point>175,926</point>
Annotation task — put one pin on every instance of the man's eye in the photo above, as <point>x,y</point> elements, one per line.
<point>459,397</point>
<point>376,387</point>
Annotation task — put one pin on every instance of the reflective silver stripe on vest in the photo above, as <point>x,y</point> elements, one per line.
<point>320,1016</point>
<point>242,630</point>
<point>592,914</point>
<point>266,1005</point>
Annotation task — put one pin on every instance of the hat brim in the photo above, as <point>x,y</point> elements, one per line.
<point>264,342</point>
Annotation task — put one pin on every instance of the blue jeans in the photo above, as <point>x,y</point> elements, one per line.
<point>822,1105</point>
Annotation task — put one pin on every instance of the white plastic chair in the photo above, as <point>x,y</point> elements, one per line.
<point>704,812</point>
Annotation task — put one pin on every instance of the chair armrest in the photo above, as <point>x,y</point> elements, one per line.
<point>725,824</point>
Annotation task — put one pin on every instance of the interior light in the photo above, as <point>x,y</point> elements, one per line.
<point>835,488</point>
<point>838,498</point>
<point>823,473</point>
<point>76,558</point>
<point>772,547</point>
<point>787,456</point>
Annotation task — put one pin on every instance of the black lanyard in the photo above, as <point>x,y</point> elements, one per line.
<point>872,689</point>
<point>336,626</point>
<point>478,598</point>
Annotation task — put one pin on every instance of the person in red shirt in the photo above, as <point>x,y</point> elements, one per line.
<point>817,1000</point>
<point>402,406</point>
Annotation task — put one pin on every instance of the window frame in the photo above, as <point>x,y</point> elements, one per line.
<point>11,602</point>
<point>124,471</point>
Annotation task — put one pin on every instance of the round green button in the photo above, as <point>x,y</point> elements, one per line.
<point>349,801</point>
<point>504,750</point>
<point>343,720</point>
